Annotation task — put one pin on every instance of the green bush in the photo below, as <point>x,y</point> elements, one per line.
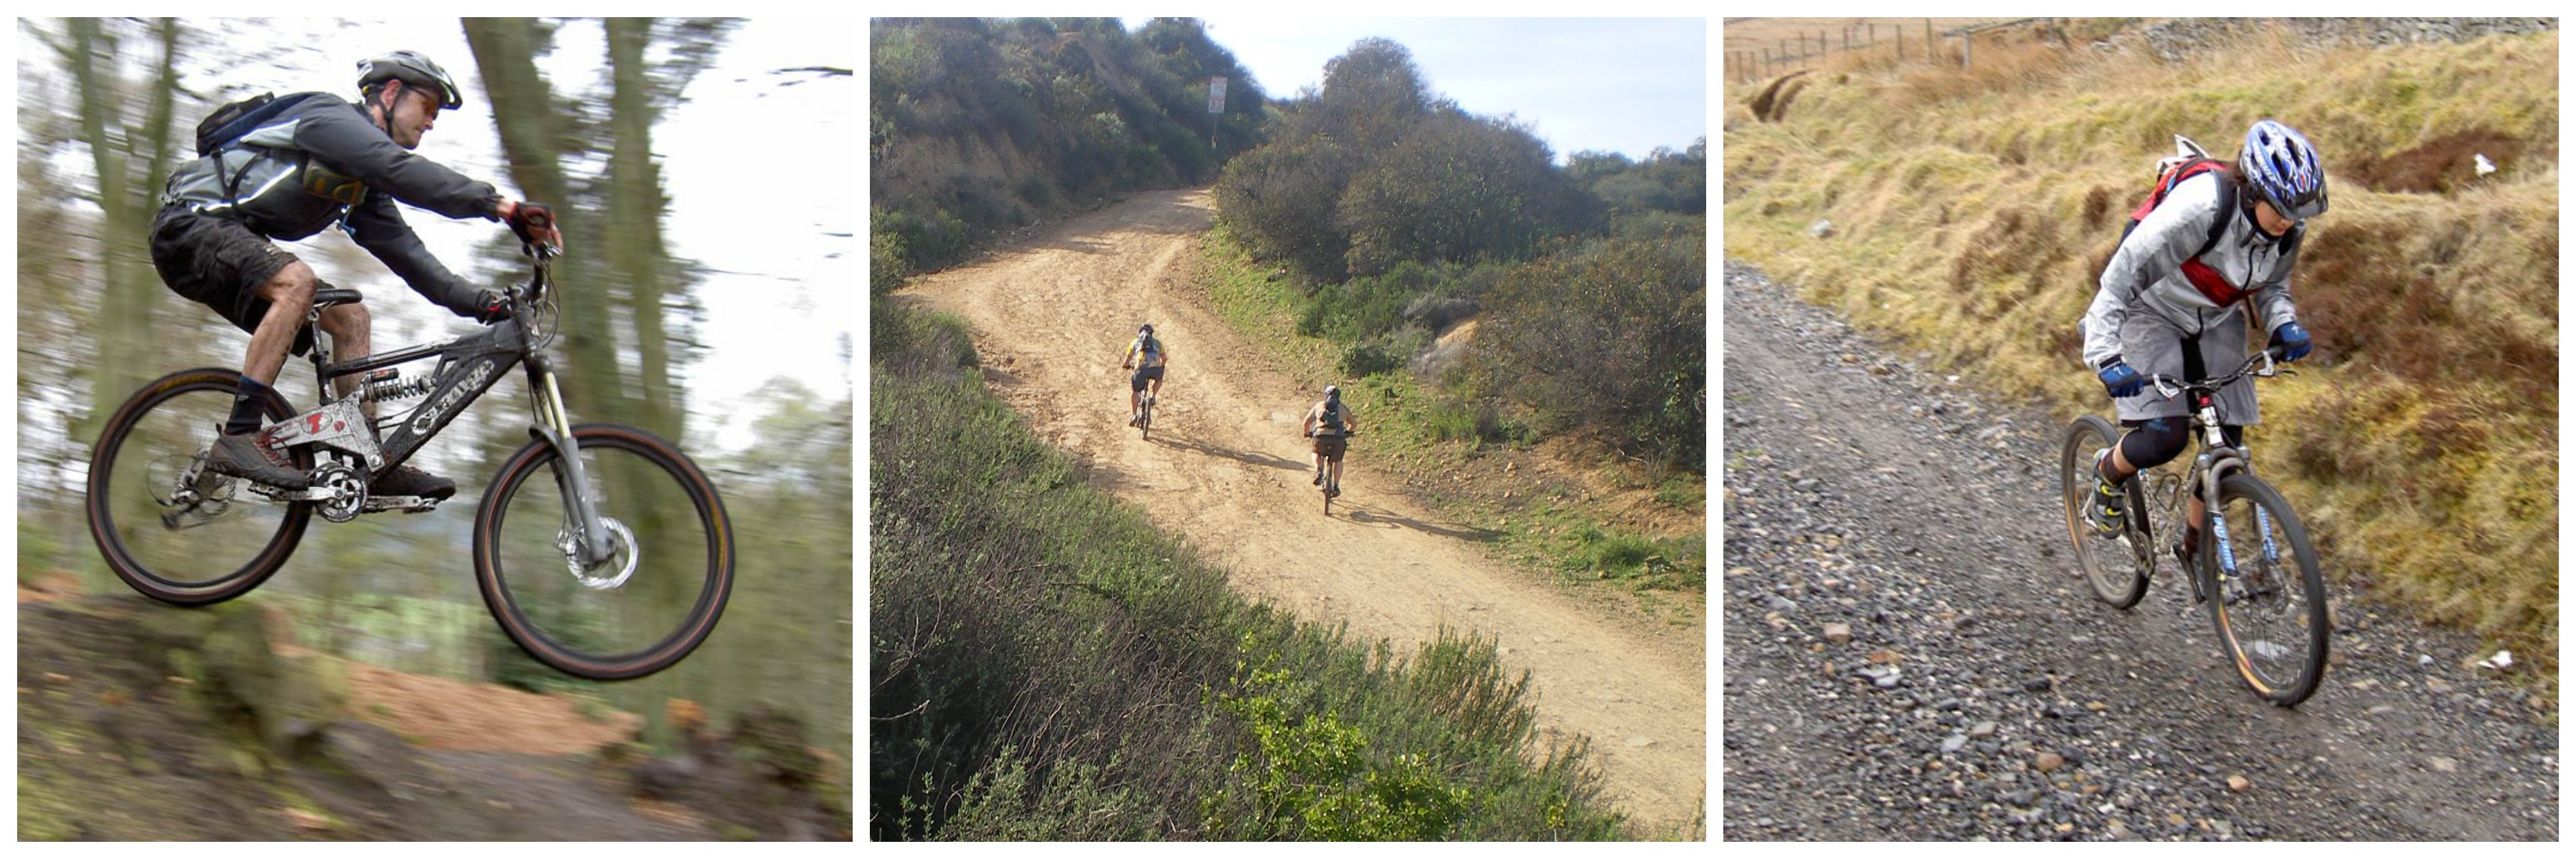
<point>1611,334</point>
<point>1457,189</point>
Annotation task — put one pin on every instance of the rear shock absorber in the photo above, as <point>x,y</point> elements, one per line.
<point>387,384</point>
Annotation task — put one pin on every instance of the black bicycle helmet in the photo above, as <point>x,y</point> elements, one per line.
<point>412,68</point>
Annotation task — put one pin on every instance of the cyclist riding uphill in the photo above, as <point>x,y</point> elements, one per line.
<point>1329,424</point>
<point>310,161</point>
<point>1145,355</point>
<point>2171,302</point>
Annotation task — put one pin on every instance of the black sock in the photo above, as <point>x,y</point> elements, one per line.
<point>249,403</point>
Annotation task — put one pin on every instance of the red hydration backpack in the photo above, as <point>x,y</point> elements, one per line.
<point>2192,161</point>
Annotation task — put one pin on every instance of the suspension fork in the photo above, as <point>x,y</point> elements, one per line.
<point>555,429</point>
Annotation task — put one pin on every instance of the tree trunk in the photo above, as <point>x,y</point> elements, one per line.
<point>533,140</point>
<point>636,255</point>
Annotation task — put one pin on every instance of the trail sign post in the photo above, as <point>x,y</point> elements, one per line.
<point>1216,105</point>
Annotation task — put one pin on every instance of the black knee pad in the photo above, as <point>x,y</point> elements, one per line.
<point>2155,441</point>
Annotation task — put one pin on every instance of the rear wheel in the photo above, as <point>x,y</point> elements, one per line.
<point>171,529</point>
<point>2270,601</point>
<point>652,601</point>
<point>2110,562</point>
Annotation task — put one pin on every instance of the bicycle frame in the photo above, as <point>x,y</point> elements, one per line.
<point>468,366</point>
<point>2215,460</point>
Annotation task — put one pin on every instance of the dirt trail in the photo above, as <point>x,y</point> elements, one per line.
<point>1226,471</point>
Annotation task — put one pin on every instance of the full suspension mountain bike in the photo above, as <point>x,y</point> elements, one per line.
<point>2254,566</point>
<point>600,549</point>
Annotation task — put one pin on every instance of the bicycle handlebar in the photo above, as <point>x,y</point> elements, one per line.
<point>2266,359</point>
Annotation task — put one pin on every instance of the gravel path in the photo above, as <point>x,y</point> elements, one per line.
<point>1908,655</point>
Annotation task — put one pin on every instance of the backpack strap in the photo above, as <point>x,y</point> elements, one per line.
<point>2226,208</point>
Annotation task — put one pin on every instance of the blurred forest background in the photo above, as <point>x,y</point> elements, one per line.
<point>578,114</point>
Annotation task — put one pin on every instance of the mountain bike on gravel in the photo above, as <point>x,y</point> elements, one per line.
<point>600,549</point>
<point>2254,566</point>
<point>1145,417</point>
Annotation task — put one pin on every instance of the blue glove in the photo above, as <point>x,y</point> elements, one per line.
<point>2122,379</point>
<point>2292,339</point>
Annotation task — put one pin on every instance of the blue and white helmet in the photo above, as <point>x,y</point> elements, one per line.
<point>2283,168</point>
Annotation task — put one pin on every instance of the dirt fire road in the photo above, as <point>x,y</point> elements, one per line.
<point>1226,471</point>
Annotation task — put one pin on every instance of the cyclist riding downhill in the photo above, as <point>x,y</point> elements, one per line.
<point>1329,423</point>
<point>287,168</point>
<point>1146,356</point>
<point>2212,241</point>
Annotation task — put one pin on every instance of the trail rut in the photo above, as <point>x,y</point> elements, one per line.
<point>1226,471</point>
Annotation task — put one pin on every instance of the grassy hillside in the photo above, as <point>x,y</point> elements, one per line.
<point>1973,209</point>
<point>977,126</point>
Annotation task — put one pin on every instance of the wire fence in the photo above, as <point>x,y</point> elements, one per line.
<point>1899,39</point>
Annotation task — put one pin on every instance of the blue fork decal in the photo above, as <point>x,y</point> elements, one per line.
<point>2271,550</point>
<point>2226,552</point>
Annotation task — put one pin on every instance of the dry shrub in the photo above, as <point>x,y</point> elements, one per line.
<point>2097,205</point>
<point>2437,166</point>
<point>1763,101</point>
<point>2373,289</point>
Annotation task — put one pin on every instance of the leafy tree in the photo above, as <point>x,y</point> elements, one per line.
<point>1458,189</point>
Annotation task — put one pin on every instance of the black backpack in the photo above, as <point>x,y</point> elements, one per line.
<point>1331,418</point>
<point>229,122</point>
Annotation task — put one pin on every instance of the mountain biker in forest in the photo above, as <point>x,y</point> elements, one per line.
<point>317,163</point>
<point>1144,354</point>
<point>1329,424</point>
<point>2191,305</point>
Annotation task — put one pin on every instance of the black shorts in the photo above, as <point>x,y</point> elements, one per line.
<point>1331,446</point>
<point>220,263</point>
<point>1137,382</point>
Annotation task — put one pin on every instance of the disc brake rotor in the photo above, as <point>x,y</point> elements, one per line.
<point>606,575</point>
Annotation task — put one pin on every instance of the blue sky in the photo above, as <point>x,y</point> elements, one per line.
<point>1623,85</point>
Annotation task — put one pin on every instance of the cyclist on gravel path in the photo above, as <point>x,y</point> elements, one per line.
<point>1329,424</point>
<point>1146,356</point>
<point>2188,312</point>
<point>320,162</point>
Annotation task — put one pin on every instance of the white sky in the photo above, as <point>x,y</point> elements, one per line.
<point>1623,85</point>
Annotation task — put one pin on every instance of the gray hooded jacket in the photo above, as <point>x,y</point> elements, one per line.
<point>2146,305</point>
<point>323,161</point>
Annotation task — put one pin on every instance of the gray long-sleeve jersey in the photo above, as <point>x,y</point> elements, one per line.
<point>2146,273</point>
<point>323,161</point>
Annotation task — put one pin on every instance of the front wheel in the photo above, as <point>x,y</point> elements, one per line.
<point>657,595</point>
<point>2269,601</point>
<point>171,529</point>
<point>2110,561</point>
